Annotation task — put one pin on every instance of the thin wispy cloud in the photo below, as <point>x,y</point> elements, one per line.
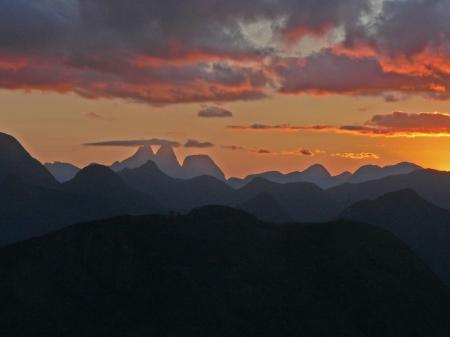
<point>395,124</point>
<point>134,143</point>
<point>265,151</point>
<point>214,112</point>
<point>193,143</point>
<point>358,155</point>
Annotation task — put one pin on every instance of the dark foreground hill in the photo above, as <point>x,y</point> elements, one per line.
<point>218,272</point>
<point>17,163</point>
<point>28,210</point>
<point>421,225</point>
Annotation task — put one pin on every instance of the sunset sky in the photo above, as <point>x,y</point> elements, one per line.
<point>257,84</point>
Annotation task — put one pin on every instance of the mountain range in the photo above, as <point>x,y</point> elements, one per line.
<point>319,175</point>
<point>136,251</point>
<point>33,203</point>
<point>218,272</point>
<point>199,165</point>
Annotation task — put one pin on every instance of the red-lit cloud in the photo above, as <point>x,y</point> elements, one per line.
<point>165,52</point>
<point>93,114</point>
<point>395,124</point>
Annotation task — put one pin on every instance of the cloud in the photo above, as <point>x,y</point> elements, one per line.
<point>264,151</point>
<point>214,112</point>
<point>306,152</point>
<point>192,143</point>
<point>357,156</point>
<point>134,143</point>
<point>395,124</point>
<point>233,147</point>
<point>166,52</point>
<point>93,115</point>
<point>326,73</point>
<point>279,127</point>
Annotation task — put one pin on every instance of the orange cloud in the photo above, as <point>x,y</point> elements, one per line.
<point>280,127</point>
<point>357,156</point>
<point>395,124</point>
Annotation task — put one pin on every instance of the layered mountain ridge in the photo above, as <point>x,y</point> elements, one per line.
<point>218,272</point>
<point>32,203</point>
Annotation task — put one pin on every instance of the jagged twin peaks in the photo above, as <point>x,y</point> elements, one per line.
<point>167,161</point>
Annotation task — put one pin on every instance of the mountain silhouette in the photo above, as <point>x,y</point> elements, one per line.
<point>62,172</point>
<point>304,202</point>
<point>112,194</point>
<point>420,224</point>
<point>97,180</point>
<point>16,161</point>
<point>265,207</point>
<point>141,156</point>
<point>316,174</point>
<point>319,175</point>
<point>167,161</point>
<point>178,194</point>
<point>218,272</point>
<point>374,172</point>
<point>432,185</point>
<point>300,201</point>
<point>199,165</point>
<point>29,210</point>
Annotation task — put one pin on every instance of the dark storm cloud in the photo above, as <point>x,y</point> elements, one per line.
<point>407,27</point>
<point>158,27</point>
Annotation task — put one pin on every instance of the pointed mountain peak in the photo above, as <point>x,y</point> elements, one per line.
<point>166,150</point>
<point>145,151</point>
<point>139,158</point>
<point>167,161</point>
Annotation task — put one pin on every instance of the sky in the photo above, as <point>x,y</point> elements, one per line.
<point>258,85</point>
